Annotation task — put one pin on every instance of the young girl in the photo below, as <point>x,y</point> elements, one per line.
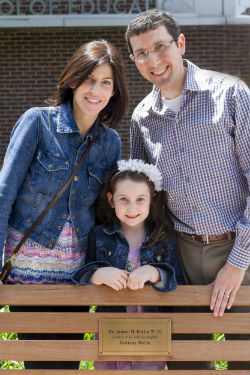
<point>134,245</point>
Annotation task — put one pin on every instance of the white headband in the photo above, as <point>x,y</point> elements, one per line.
<point>136,165</point>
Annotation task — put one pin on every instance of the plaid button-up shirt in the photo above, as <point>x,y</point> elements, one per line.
<point>203,153</point>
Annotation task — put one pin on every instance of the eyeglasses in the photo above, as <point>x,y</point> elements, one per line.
<point>141,56</point>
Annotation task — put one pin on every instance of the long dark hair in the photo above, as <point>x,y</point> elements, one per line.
<point>158,219</point>
<point>84,60</point>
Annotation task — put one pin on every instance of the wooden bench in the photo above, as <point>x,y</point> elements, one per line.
<point>182,350</point>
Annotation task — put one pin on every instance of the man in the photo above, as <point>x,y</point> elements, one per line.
<point>195,125</point>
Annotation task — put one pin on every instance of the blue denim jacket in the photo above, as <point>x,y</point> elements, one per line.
<point>44,148</point>
<point>108,247</point>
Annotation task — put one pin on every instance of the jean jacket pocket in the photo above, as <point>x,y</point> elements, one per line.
<point>49,173</point>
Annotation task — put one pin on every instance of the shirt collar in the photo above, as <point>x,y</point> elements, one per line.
<point>66,124</point>
<point>196,80</point>
<point>113,228</point>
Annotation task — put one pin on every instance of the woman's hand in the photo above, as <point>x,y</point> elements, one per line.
<point>141,275</point>
<point>111,276</point>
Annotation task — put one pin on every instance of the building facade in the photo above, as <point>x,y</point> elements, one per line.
<point>38,36</point>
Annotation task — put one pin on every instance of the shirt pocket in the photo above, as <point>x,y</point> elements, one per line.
<point>107,253</point>
<point>96,176</point>
<point>49,174</point>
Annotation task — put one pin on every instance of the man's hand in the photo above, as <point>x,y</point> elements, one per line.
<point>141,275</point>
<point>111,276</point>
<point>225,287</point>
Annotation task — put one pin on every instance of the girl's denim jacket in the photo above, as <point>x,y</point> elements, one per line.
<point>44,148</point>
<point>108,247</point>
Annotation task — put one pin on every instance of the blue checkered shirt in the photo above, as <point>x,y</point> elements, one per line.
<point>203,153</point>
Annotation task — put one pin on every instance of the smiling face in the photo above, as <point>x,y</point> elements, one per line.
<point>93,94</point>
<point>165,70</point>
<point>131,201</point>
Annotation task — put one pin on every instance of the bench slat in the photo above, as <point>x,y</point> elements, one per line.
<point>75,350</point>
<point>86,322</point>
<point>123,372</point>
<point>52,295</point>
<point>194,295</point>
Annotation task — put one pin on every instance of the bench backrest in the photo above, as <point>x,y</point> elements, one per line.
<point>71,295</point>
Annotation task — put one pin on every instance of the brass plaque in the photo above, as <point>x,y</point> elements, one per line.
<point>135,336</point>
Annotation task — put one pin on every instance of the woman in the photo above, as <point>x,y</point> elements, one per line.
<point>46,144</point>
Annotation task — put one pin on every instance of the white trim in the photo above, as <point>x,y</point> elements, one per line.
<point>75,20</point>
<point>31,21</point>
<point>194,19</point>
<point>218,12</point>
<point>239,20</point>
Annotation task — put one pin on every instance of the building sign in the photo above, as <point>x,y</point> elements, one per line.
<point>50,7</point>
<point>83,13</point>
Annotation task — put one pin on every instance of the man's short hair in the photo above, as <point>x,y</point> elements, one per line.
<point>150,20</point>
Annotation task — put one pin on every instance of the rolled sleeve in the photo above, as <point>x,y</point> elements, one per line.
<point>240,254</point>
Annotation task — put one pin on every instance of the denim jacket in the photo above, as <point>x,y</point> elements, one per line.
<point>108,247</point>
<point>44,148</point>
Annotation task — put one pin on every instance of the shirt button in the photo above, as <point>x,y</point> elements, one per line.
<point>78,230</point>
<point>144,262</point>
<point>73,217</point>
<point>159,258</point>
<point>64,216</point>
<point>79,139</point>
<point>70,204</point>
<point>194,209</point>
<point>73,191</point>
<point>51,166</point>
<point>182,149</point>
<point>59,227</point>
<point>75,178</point>
<point>187,179</point>
<point>109,253</point>
<point>50,245</point>
<point>53,240</point>
<point>79,153</point>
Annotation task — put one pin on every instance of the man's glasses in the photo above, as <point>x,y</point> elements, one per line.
<point>142,56</point>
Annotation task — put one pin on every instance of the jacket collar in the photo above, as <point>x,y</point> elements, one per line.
<point>66,124</point>
<point>196,80</point>
<point>113,228</point>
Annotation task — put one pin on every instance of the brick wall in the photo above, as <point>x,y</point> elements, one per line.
<point>31,61</point>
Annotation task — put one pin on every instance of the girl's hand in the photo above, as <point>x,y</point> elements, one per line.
<point>111,276</point>
<point>141,275</point>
